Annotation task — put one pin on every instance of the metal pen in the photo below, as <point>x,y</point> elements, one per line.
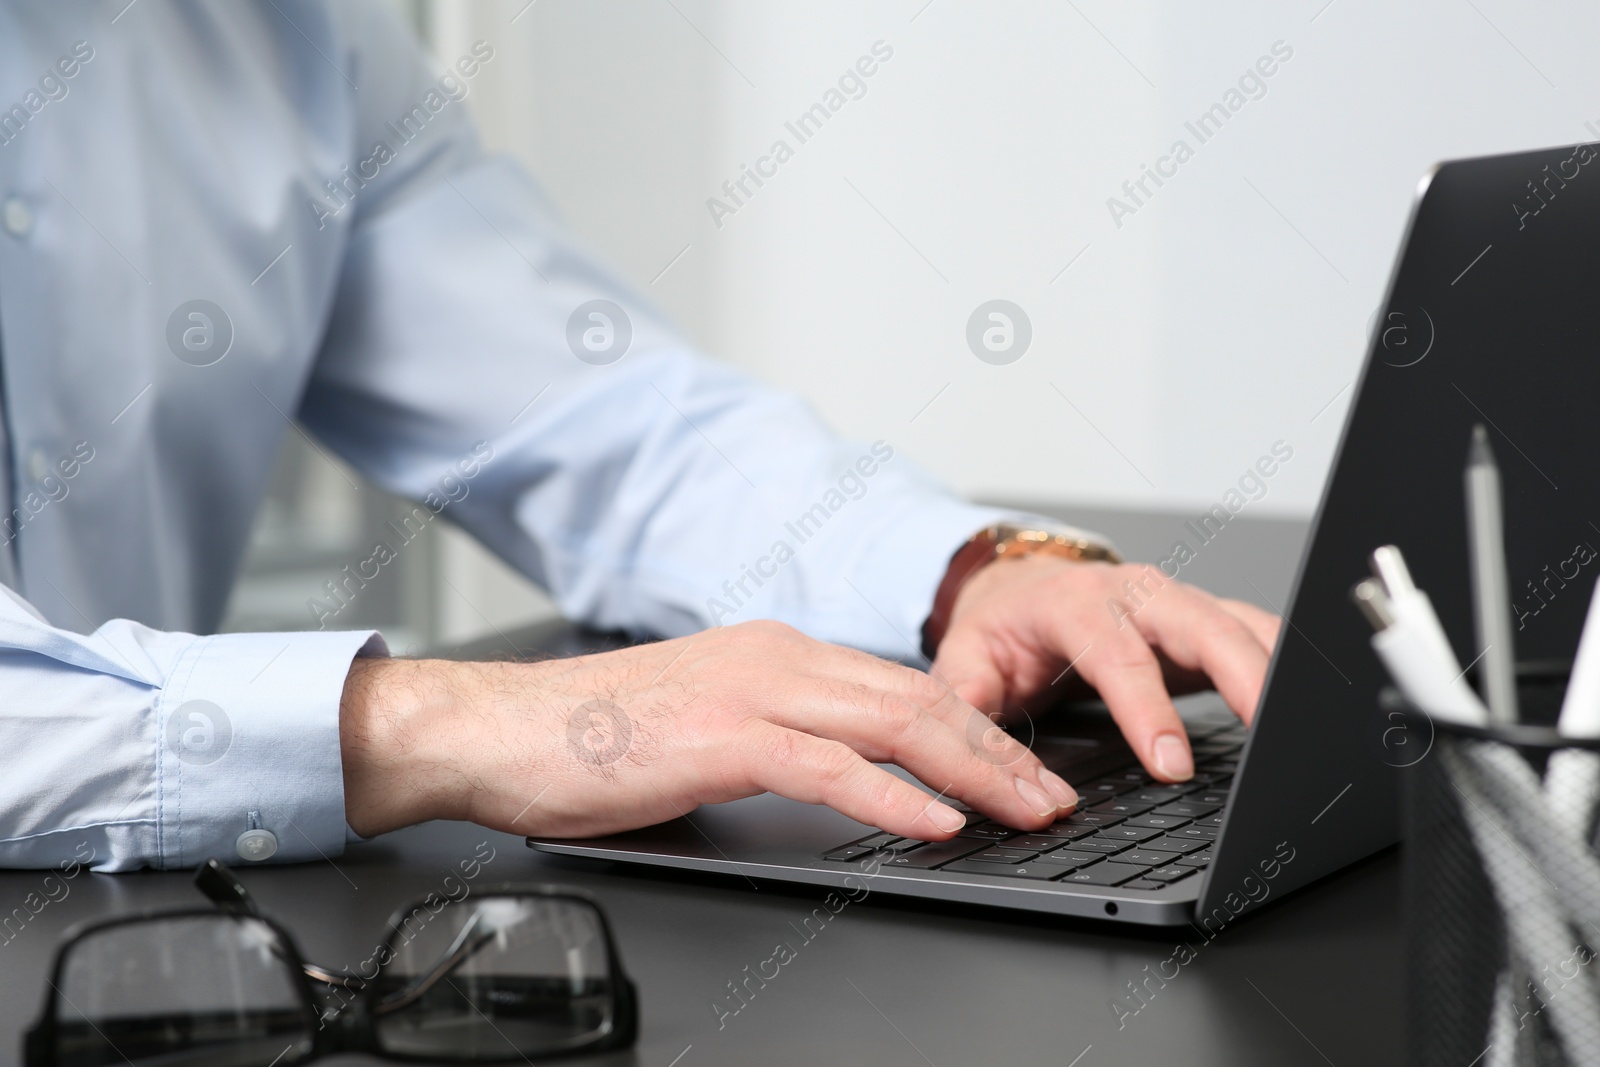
<point>1491,588</point>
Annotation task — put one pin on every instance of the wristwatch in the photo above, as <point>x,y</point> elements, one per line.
<point>998,542</point>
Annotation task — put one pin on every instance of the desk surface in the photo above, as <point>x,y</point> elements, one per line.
<point>1313,979</point>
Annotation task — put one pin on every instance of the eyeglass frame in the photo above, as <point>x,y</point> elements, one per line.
<point>350,1032</point>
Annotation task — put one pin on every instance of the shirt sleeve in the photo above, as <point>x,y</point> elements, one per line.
<point>480,361</point>
<point>196,740</point>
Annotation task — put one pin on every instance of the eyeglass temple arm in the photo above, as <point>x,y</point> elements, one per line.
<point>223,888</point>
<point>465,945</point>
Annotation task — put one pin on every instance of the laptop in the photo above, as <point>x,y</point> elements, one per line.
<point>1492,316</point>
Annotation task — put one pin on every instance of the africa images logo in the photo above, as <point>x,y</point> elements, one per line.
<point>199,333</point>
<point>599,332</point>
<point>999,332</point>
<point>199,732</point>
<point>599,733</point>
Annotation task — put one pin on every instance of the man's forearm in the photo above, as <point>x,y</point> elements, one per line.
<point>612,741</point>
<point>395,719</point>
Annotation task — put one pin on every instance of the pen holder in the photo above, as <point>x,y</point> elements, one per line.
<point>1501,887</point>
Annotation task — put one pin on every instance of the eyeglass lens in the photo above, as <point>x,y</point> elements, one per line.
<point>496,975</point>
<point>214,990</point>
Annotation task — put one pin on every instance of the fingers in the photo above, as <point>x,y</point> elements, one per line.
<point>954,749</point>
<point>887,712</point>
<point>816,770</point>
<point>967,665</point>
<point>890,713</point>
<point>1194,631</point>
<point>1263,624</point>
<point>832,665</point>
<point>1113,657</point>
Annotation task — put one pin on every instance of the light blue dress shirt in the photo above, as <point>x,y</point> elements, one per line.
<point>216,218</point>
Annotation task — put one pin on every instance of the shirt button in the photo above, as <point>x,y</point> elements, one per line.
<point>256,844</point>
<point>16,216</point>
<point>38,465</point>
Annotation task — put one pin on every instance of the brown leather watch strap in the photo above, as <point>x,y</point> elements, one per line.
<point>1002,541</point>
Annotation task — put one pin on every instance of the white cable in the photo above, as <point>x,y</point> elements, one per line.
<point>1580,709</point>
<point>1503,1023</point>
<point>1425,679</point>
<point>1572,779</point>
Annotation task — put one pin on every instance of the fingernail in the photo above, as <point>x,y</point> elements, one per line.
<point>1034,797</point>
<point>1172,759</point>
<point>945,818</point>
<point>1065,796</point>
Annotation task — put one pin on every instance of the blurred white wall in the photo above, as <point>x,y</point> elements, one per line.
<point>1224,315</point>
<point>1227,312</point>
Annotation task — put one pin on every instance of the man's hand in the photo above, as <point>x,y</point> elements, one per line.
<point>1127,629</point>
<point>602,743</point>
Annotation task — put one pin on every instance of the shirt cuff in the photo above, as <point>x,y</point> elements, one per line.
<point>250,742</point>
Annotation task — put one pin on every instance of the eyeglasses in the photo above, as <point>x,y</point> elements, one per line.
<point>506,974</point>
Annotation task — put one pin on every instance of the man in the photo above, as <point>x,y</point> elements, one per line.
<point>219,217</point>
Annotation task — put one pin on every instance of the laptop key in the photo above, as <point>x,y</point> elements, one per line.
<point>846,853</point>
<point>1107,873</point>
<point>1207,795</point>
<point>931,855</point>
<point>1194,859</point>
<point>879,840</point>
<point>1097,791</point>
<point>1094,844</point>
<point>1065,831</point>
<point>1071,858</point>
<point>1143,883</point>
<point>1186,809</point>
<point>1196,833</point>
<point>1175,844</point>
<point>987,832</point>
<point>1034,871</point>
<point>1034,842</point>
<point>1158,822</point>
<point>1003,855</point>
<point>1091,818</point>
<point>1213,821</point>
<point>1129,833</point>
<point>1149,859</point>
<point>905,844</point>
<point>1169,874</point>
<point>1120,807</point>
<point>1154,796</point>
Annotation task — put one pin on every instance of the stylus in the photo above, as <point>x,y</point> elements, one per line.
<point>1491,589</point>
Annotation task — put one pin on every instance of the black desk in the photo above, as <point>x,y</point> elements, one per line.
<point>1313,979</point>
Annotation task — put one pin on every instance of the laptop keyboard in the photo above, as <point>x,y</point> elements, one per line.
<point>1128,830</point>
